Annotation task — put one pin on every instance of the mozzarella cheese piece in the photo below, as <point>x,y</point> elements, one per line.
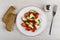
<point>36,19</point>
<point>37,26</point>
<point>31,15</point>
<point>37,23</point>
<point>23,18</point>
<point>31,26</point>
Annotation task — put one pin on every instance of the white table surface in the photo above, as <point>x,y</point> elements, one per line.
<point>19,4</point>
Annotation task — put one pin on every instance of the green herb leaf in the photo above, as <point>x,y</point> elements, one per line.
<point>32,18</point>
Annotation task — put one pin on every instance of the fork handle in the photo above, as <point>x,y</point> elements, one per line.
<point>51,26</point>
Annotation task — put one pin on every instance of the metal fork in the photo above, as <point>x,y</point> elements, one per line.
<point>53,14</point>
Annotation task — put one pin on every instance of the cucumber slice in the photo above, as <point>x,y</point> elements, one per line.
<point>38,22</point>
<point>31,25</point>
<point>27,23</point>
<point>27,18</point>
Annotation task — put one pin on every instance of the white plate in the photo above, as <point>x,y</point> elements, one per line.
<point>42,25</point>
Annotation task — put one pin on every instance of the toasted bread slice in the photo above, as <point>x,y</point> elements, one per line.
<point>10,23</point>
<point>10,10</point>
<point>9,18</point>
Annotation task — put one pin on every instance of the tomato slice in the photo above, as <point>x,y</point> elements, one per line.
<point>36,15</point>
<point>26,14</point>
<point>33,21</point>
<point>28,28</point>
<point>33,30</point>
<point>24,24</point>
